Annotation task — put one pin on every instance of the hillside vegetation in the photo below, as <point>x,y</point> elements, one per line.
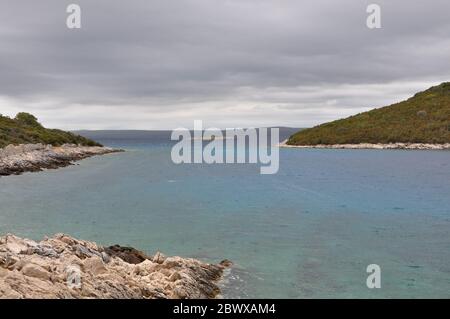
<point>424,118</point>
<point>25,128</point>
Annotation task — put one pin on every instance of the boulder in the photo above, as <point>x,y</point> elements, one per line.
<point>128,254</point>
<point>36,271</point>
<point>94,266</point>
<point>158,258</point>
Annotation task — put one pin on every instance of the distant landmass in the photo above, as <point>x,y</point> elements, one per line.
<point>108,136</point>
<point>424,118</point>
<point>25,129</point>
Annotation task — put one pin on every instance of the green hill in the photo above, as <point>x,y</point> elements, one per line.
<point>424,118</point>
<point>25,128</point>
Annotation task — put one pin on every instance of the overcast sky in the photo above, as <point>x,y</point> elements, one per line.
<point>160,64</point>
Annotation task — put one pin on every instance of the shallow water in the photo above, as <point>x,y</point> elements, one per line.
<point>307,232</point>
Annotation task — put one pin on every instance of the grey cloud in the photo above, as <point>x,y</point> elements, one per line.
<point>248,62</point>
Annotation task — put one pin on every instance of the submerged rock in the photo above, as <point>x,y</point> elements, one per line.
<point>65,267</point>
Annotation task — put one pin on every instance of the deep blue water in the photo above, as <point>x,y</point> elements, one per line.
<point>308,231</point>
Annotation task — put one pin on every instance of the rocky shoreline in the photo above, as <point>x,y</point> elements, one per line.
<point>17,159</point>
<point>65,267</point>
<point>392,146</point>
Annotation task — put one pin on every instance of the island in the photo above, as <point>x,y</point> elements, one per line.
<point>421,122</point>
<point>27,146</point>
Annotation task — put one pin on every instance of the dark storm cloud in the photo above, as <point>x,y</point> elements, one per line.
<point>155,64</point>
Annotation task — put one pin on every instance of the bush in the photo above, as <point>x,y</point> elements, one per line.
<point>25,128</point>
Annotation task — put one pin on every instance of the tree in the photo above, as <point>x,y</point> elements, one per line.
<point>27,119</point>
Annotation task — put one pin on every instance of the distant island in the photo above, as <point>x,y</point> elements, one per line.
<point>27,146</point>
<point>421,122</point>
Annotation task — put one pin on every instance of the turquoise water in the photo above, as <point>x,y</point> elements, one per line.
<point>307,232</point>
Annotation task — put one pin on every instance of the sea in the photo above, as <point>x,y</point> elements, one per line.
<point>309,231</point>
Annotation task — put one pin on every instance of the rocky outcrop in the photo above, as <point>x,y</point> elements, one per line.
<point>65,267</point>
<point>392,146</point>
<point>16,159</point>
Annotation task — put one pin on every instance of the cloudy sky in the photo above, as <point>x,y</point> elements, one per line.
<point>160,64</point>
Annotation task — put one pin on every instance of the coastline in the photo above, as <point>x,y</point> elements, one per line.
<point>65,267</point>
<point>17,159</point>
<point>35,270</point>
<point>391,146</point>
